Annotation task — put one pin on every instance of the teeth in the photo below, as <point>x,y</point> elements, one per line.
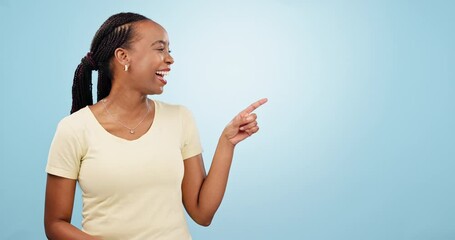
<point>164,73</point>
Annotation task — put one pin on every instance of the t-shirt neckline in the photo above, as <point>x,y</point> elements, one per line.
<point>108,134</point>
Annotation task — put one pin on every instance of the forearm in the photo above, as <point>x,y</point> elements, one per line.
<point>214,185</point>
<point>202,195</point>
<point>65,231</point>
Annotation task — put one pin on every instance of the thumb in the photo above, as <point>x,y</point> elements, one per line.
<point>241,119</point>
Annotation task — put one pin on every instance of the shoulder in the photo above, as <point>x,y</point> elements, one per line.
<point>71,131</point>
<point>76,121</point>
<point>173,109</point>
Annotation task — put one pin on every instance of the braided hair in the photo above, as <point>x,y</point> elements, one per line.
<point>115,32</point>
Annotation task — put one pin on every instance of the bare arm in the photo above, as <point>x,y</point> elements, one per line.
<point>58,210</point>
<point>202,195</point>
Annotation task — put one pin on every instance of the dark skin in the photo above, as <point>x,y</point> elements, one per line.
<point>201,193</point>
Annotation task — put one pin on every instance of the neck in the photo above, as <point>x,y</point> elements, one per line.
<point>127,102</point>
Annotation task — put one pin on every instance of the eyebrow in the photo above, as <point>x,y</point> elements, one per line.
<point>160,41</point>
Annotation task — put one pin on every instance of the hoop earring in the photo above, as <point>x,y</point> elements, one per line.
<point>126,68</point>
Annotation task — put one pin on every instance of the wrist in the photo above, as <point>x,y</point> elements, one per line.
<point>224,141</point>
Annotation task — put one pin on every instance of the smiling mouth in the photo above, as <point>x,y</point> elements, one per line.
<point>161,75</point>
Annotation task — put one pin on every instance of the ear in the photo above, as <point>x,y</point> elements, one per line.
<point>121,56</point>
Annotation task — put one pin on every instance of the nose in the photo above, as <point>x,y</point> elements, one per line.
<point>169,59</point>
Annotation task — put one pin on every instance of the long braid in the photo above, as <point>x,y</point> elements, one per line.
<point>115,32</point>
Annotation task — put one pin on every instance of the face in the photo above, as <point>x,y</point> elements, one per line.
<point>149,58</point>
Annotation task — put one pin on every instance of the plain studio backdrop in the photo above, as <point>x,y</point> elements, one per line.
<point>356,141</point>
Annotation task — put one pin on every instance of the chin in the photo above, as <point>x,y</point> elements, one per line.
<point>156,91</point>
<point>160,90</point>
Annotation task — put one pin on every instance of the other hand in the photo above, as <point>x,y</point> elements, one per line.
<point>244,124</point>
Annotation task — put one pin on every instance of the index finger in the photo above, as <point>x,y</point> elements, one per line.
<point>253,106</point>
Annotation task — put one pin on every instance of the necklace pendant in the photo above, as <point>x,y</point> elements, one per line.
<point>131,131</point>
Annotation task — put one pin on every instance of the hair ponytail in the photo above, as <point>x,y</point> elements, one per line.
<point>115,32</point>
<point>82,85</point>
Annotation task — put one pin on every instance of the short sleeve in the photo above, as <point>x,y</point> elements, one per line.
<point>191,144</point>
<point>65,153</point>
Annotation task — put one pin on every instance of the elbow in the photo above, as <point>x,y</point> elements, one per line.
<point>205,224</point>
<point>48,232</point>
<point>54,228</point>
<point>204,221</point>
<point>49,229</point>
<point>201,216</point>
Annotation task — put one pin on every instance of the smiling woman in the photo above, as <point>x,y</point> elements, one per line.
<point>138,161</point>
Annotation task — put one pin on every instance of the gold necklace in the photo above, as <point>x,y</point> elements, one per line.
<point>131,130</point>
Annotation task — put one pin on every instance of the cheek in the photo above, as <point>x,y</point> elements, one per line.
<point>154,60</point>
<point>144,64</point>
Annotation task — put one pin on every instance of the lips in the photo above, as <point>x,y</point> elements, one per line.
<point>161,74</point>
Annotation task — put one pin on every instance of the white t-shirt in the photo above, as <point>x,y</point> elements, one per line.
<point>131,190</point>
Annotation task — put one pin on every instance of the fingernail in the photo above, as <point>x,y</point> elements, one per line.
<point>249,118</point>
<point>242,128</point>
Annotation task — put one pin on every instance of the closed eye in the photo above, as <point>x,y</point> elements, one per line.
<point>163,49</point>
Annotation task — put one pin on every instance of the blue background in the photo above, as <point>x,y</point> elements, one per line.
<point>356,142</point>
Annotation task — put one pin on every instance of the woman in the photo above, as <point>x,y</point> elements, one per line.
<point>136,159</point>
